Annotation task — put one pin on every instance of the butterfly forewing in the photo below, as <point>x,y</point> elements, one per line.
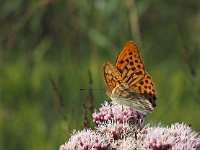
<point>129,63</point>
<point>112,77</point>
<point>133,72</point>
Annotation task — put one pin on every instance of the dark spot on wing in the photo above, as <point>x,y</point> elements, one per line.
<point>131,63</point>
<point>141,82</point>
<point>139,73</point>
<point>120,70</point>
<point>121,62</point>
<point>133,69</point>
<point>138,66</point>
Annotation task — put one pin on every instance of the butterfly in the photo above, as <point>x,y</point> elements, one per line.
<point>127,82</point>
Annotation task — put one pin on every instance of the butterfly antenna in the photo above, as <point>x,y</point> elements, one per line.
<point>91,89</point>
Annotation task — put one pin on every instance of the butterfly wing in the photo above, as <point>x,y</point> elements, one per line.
<point>120,92</point>
<point>146,87</point>
<point>129,64</point>
<point>132,70</point>
<point>123,95</point>
<point>112,77</point>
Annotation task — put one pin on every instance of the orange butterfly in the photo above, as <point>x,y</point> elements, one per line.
<point>127,83</point>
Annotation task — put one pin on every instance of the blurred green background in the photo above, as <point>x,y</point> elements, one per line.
<point>48,46</point>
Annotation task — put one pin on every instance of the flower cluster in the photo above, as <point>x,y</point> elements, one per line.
<point>122,128</point>
<point>118,113</point>
<point>176,137</point>
<point>116,121</point>
<point>86,140</point>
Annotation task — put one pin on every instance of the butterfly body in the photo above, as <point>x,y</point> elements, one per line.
<point>127,82</point>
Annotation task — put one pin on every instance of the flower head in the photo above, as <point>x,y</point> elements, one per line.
<point>118,113</point>
<point>115,130</point>
<point>176,137</point>
<point>86,140</point>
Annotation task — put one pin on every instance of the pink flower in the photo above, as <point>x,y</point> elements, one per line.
<point>115,130</point>
<point>117,113</point>
<point>176,137</point>
<point>86,140</point>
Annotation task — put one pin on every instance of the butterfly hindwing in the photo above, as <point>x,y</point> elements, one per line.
<point>146,87</point>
